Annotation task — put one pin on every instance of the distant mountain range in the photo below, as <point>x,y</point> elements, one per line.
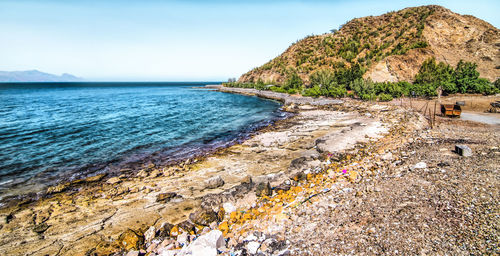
<point>35,76</point>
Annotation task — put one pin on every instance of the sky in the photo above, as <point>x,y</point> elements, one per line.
<point>153,40</point>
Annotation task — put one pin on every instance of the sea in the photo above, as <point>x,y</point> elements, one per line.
<point>58,132</point>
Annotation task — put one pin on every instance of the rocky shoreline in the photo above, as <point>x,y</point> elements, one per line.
<point>242,200</point>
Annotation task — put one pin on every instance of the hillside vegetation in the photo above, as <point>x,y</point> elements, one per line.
<point>388,49</point>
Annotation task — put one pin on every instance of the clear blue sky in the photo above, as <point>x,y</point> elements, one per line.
<point>175,40</point>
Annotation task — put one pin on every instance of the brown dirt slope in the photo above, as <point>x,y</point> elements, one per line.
<point>391,47</point>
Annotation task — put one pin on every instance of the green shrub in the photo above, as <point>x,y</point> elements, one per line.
<point>367,97</point>
<point>322,77</point>
<point>467,77</point>
<point>432,75</point>
<point>420,44</point>
<point>497,83</point>
<point>361,87</point>
<point>314,91</point>
<point>278,89</point>
<point>384,97</point>
<point>336,91</point>
<point>485,87</point>
<point>293,81</point>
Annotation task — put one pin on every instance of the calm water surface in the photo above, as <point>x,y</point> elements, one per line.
<point>54,132</point>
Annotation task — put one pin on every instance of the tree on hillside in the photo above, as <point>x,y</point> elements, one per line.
<point>432,75</point>
<point>467,77</point>
<point>347,76</point>
<point>365,89</point>
<point>324,83</point>
<point>322,77</point>
<point>293,81</point>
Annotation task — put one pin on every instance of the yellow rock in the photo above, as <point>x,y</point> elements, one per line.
<point>221,213</point>
<point>174,231</point>
<point>235,216</point>
<point>353,175</point>
<point>224,227</point>
<point>131,239</point>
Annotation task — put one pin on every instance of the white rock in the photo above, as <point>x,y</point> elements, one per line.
<point>169,253</point>
<point>182,238</point>
<point>229,207</point>
<point>150,234</point>
<point>420,165</point>
<point>387,156</point>
<point>133,253</point>
<point>253,247</point>
<point>250,237</point>
<point>205,245</point>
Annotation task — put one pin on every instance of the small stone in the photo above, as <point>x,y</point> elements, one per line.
<point>95,178</point>
<point>164,230</point>
<point>188,226</point>
<point>133,253</point>
<point>131,240</point>
<point>224,227</point>
<point>165,197</point>
<point>57,189</point>
<point>387,156</point>
<point>113,180</point>
<point>253,247</point>
<point>214,182</point>
<point>152,247</point>
<point>250,238</point>
<point>182,238</point>
<point>463,150</point>
<point>154,174</point>
<point>40,228</point>
<point>229,207</point>
<point>203,217</point>
<point>174,231</point>
<point>150,234</point>
<point>142,173</point>
<point>420,165</point>
<point>247,180</point>
<point>206,245</point>
<point>263,189</point>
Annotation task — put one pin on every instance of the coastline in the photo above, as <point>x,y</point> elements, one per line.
<point>129,165</point>
<point>94,218</point>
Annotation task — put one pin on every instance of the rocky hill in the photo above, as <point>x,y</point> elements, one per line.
<point>35,76</point>
<point>391,47</point>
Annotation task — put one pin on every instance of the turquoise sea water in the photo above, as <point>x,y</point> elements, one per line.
<point>54,132</point>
